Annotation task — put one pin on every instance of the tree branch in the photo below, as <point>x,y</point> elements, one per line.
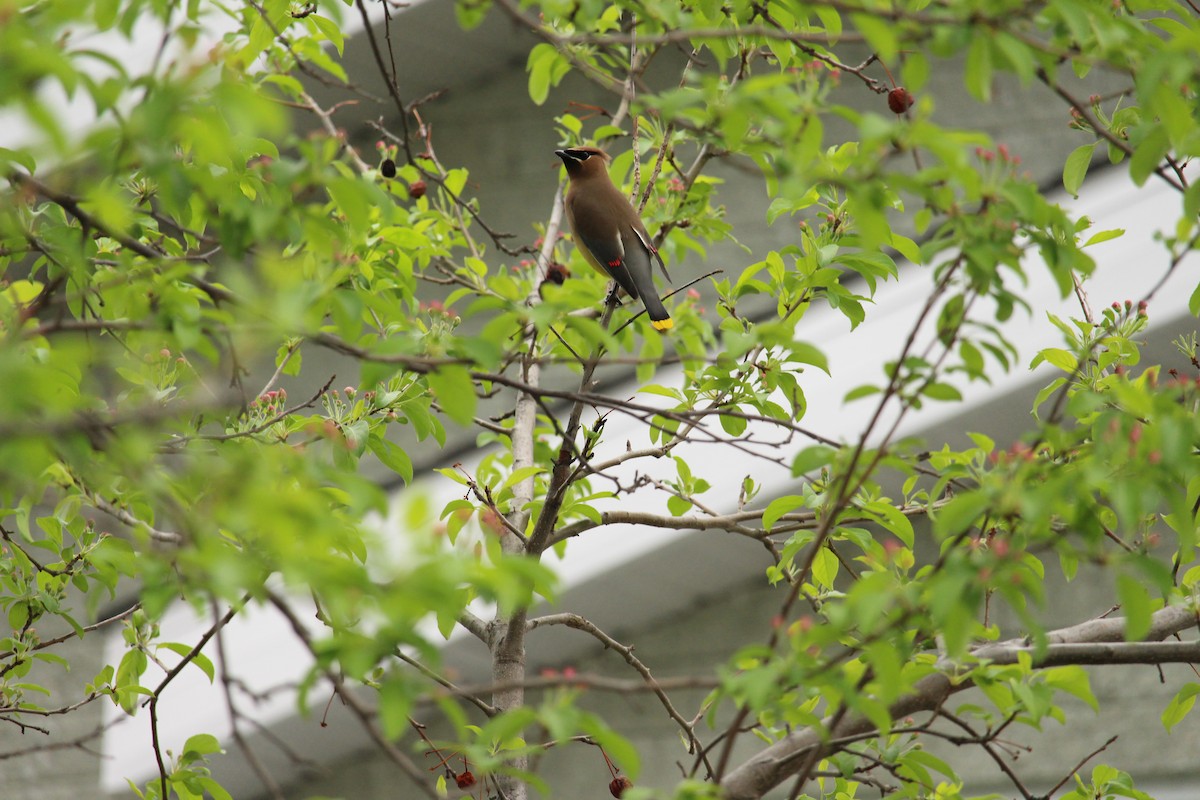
<point>771,766</point>
<point>626,652</point>
<point>356,706</point>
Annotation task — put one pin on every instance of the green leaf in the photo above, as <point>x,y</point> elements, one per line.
<point>447,621</point>
<point>831,21</point>
<point>456,181</point>
<point>202,744</point>
<point>199,659</point>
<point>894,521</point>
<point>825,568</point>
<point>130,668</point>
<point>455,392</point>
<point>907,248</point>
<point>1046,392</point>
<point>260,37</point>
<point>215,789</point>
<point>519,475</point>
<point>859,392</point>
<point>942,391</point>
<point>978,73</point>
<point>1136,605</point>
<point>960,513</point>
<point>1056,357</point>
<point>1104,236</point>
<point>1075,681</point>
<point>805,353</point>
<point>1020,56</point>
<point>392,456</point>
<point>349,195</point>
<point>105,13</point>
<point>620,749</point>
<point>930,761</point>
<point>546,66</point>
<point>880,35</point>
<point>1148,154</point>
<point>1076,167</point>
<point>294,358</point>
<point>1180,705</point>
<point>678,506</point>
<point>329,29</point>
<point>394,706</point>
<point>811,458</point>
<point>504,727</point>
<point>20,157</point>
<point>469,15</point>
<point>778,507</point>
<point>732,425</point>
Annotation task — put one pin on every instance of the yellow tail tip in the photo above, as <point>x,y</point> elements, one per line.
<point>663,324</point>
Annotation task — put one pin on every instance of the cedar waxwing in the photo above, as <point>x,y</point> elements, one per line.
<point>608,231</point>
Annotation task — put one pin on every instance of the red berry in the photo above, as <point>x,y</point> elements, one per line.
<point>618,785</point>
<point>900,100</point>
<point>416,189</point>
<point>464,780</point>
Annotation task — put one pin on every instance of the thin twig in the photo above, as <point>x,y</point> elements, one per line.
<point>579,623</point>
<point>356,706</point>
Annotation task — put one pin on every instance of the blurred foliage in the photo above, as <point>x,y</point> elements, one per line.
<point>170,237</point>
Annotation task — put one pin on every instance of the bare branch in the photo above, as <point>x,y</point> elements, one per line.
<point>120,514</point>
<point>87,629</point>
<point>227,684</point>
<point>356,706</point>
<point>626,652</point>
<point>772,765</point>
<point>1174,178</point>
<point>1079,766</point>
<point>445,683</point>
<point>326,118</point>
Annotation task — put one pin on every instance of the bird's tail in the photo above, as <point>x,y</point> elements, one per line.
<point>659,317</point>
<point>637,260</point>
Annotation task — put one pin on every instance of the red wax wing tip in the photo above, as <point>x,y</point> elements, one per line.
<point>616,262</point>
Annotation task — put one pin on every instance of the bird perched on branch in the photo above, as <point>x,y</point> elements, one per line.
<point>609,232</point>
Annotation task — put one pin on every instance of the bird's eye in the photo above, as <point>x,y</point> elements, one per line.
<point>580,155</point>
